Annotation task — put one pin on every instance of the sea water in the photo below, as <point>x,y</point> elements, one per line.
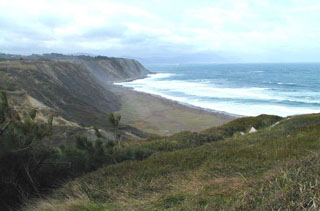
<point>242,89</point>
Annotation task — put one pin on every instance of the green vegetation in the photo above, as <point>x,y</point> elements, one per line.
<point>33,114</point>
<point>32,159</point>
<point>33,165</point>
<point>114,120</point>
<point>3,106</point>
<point>221,168</point>
<point>23,152</point>
<point>295,186</point>
<point>30,165</point>
<point>217,169</point>
<point>189,139</point>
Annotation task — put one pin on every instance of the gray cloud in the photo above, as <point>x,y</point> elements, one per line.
<point>105,32</point>
<point>243,31</point>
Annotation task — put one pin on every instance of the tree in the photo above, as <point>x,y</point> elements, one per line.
<point>114,119</point>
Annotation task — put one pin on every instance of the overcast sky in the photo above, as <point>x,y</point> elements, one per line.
<point>231,30</point>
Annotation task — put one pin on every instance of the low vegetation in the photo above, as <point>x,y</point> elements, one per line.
<point>219,168</point>
<point>30,165</point>
<point>274,168</point>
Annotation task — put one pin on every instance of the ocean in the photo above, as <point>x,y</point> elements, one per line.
<point>241,89</point>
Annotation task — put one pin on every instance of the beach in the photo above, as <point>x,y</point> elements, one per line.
<point>161,116</point>
<point>238,89</point>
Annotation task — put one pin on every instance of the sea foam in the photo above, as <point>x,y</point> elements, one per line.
<point>222,95</point>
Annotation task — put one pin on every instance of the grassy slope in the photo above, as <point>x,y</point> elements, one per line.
<point>275,168</point>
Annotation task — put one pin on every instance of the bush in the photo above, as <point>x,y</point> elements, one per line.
<point>23,154</point>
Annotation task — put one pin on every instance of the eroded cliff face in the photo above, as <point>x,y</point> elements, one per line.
<point>105,69</point>
<point>72,88</point>
<point>114,69</point>
<point>68,88</point>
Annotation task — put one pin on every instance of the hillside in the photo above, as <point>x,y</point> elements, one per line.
<point>79,92</point>
<point>66,87</point>
<point>276,168</point>
<point>75,89</point>
<point>105,69</point>
<point>67,90</point>
<point>55,121</point>
<point>55,128</point>
<point>70,84</point>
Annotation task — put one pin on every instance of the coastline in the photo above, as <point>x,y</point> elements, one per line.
<point>180,103</point>
<point>158,115</point>
<point>174,101</point>
<point>132,79</point>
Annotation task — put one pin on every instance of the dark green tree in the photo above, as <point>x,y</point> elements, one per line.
<point>114,120</point>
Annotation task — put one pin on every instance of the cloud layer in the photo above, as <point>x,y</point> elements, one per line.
<point>235,30</point>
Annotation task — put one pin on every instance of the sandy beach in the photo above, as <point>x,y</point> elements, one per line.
<point>161,116</point>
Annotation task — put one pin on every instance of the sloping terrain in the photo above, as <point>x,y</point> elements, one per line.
<point>276,168</point>
<point>55,112</point>
<point>224,167</point>
<point>67,90</point>
<point>105,69</point>
<point>80,89</point>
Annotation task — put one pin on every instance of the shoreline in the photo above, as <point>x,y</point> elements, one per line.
<point>244,106</point>
<point>174,101</point>
<point>161,116</point>
<point>178,102</point>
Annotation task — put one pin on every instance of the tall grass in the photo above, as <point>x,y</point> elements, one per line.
<point>275,168</point>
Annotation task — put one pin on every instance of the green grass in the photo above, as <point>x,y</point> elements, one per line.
<point>275,168</point>
<point>187,139</point>
<point>294,186</point>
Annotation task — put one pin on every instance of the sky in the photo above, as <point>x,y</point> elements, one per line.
<point>165,30</point>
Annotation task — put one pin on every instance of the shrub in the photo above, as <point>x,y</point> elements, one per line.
<point>23,154</point>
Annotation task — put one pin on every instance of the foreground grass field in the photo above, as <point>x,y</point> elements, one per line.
<point>277,168</point>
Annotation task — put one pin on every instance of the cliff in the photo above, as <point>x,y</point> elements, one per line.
<point>105,69</point>
<point>75,89</point>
